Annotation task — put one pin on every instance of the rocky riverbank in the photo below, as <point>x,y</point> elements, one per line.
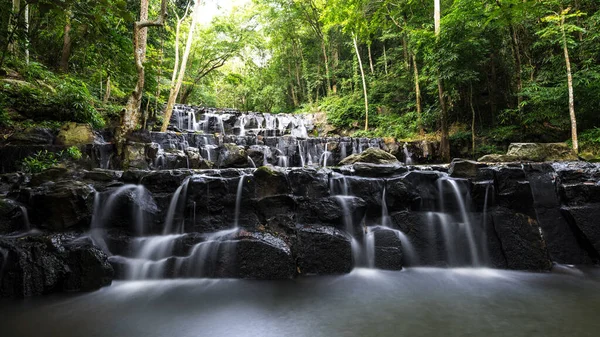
<point>291,222</point>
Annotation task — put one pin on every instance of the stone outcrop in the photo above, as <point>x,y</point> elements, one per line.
<point>371,156</point>
<point>534,152</point>
<point>54,263</point>
<point>75,134</point>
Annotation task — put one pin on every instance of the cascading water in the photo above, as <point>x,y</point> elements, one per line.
<point>464,241</point>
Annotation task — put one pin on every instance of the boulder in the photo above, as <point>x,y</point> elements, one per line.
<point>32,136</point>
<point>562,242</point>
<point>75,134</point>
<point>377,170</point>
<point>232,155</point>
<point>542,152</point>
<point>534,152</point>
<point>370,155</point>
<point>175,159</point>
<point>134,156</point>
<point>513,190</point>
<point>387,249</point>
<point>462,168</point>
<point>55,263</point>
<point>262,256</point>
<point>260,155</point>
<point>12,216</point>
<point>323,250</point>
<point>59,206</point>
<point>309,182</point>
<point>522,242</point>
<point>270,180</point>
<point>498,158</point>
<point>585,218</point>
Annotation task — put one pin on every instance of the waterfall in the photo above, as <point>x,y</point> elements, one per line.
<point>102,212</point>
<point>407,155</point>
<point>238,201</point>
<point>460,228</point>
<point>177,204</point>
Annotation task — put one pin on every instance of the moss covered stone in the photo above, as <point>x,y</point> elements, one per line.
<point>372,156</point>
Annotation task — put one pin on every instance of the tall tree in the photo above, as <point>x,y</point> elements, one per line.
<point>561,32</point>
<point>445,141</point>
<point>131,113</point>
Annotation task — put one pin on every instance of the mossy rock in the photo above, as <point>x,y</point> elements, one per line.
<point>75,134</point>
<point>371,156</point>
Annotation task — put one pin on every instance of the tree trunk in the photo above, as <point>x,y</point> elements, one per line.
<point>445,142</point>
<point>517,56</point>
<point>326,59</point>
<point>472,121</point>
<point>370,59</point>
<point>107,93</point>
<point>364,82</point>
<point>418,95</point>
<point>437,14</point>
<point>186,53</point>
<point>570,85</point>
<point>14,23</point>
<point>131,113</point>
<point>334,66</point>
<point>67,43</point>
<point>26,26</point>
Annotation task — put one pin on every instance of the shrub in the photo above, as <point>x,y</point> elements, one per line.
<point>40,161</point>
<point>74,153</point>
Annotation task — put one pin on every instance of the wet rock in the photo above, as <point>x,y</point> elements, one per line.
<point>194,157</point>
<point>388,253</point>
<point>40,265</point>
<point>309,183</point>
<point>32,136</point>
<point>401,194</point>
<point>377,170</point>
<point>11,216</point>
<point>332,211</point>
<point>425,183</point>
<point>562,242</point>
<point>323,250</point>
<point>135,156</point>
<point>260,155</point>
<point>59,206</point>
<point>152,150</point>
<point>75,134</point>
<point>102,175</point>
<point>462,168</point>
<point>9,181</point>
<point>577,172</point>
<point>262,256</point>
<point>272,206</point>
<point>580,193</point>
<point>372,156</point>
<point>270,180</point>
<point>51,174</point>
<point>232,155</point>
<point>585,219</point>
<point>175,159</point>
<point>513,190</point>
<point>166,181</point>
<point>522,242</point>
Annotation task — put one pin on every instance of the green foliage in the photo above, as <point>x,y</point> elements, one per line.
<point>40,161</point>
<point>74,153</point>
<point>45,159</point>
<point>46,96</point>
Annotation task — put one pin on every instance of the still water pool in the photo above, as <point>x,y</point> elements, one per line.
<point>415,302</point>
